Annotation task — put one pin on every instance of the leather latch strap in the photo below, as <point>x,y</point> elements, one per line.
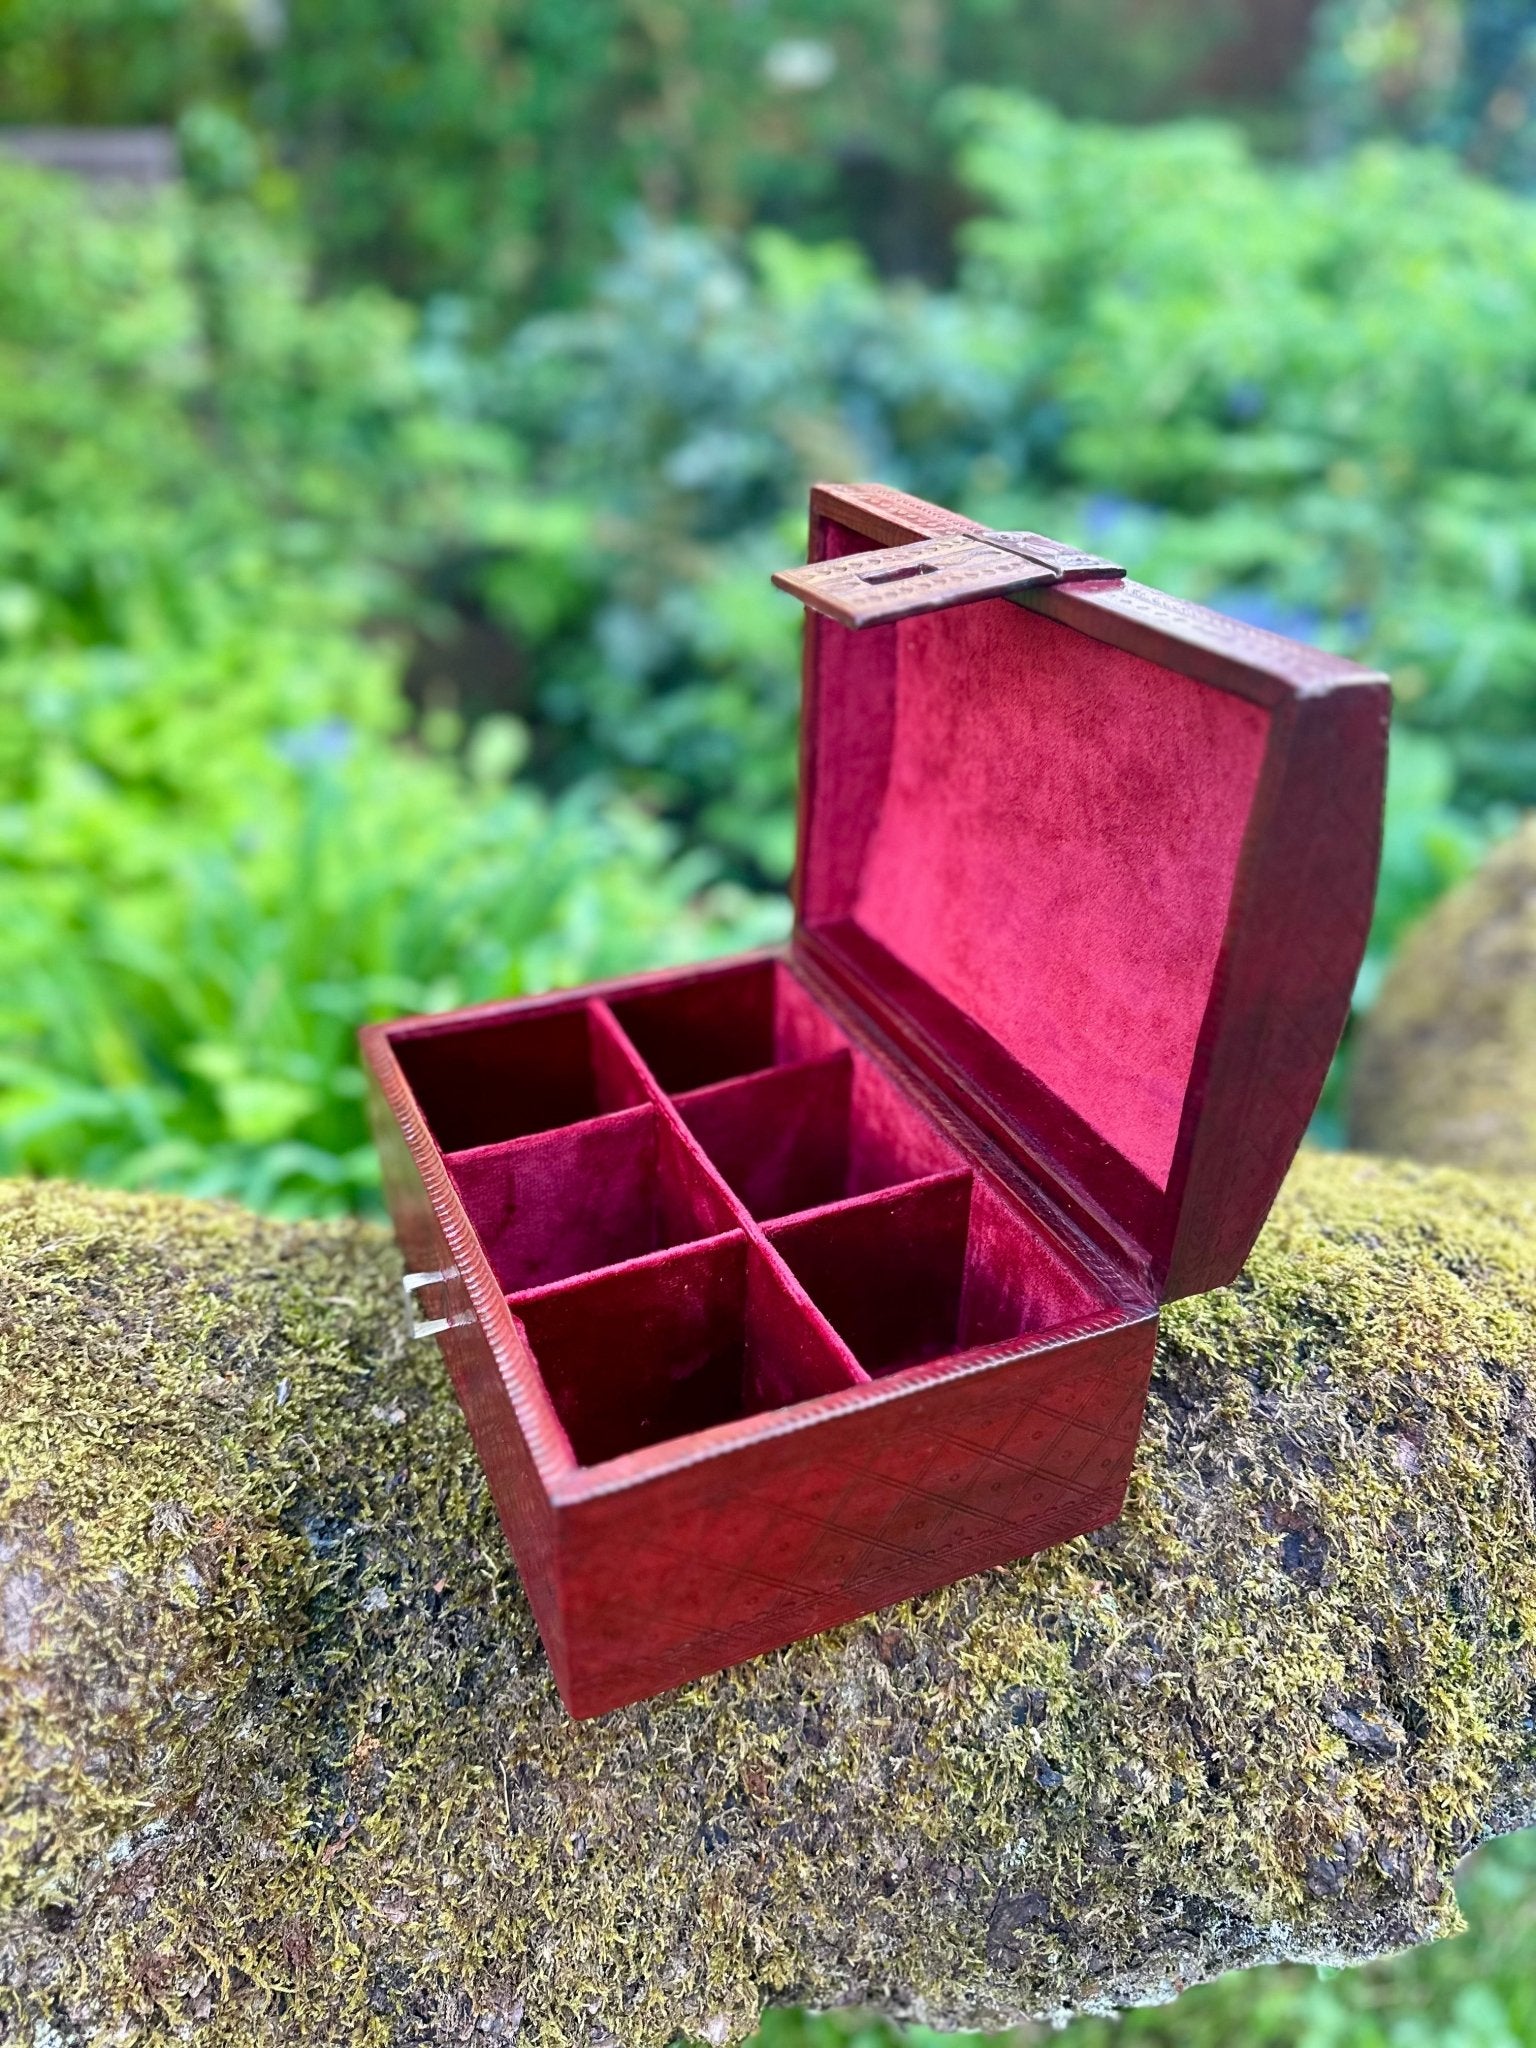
<point>885,584</point>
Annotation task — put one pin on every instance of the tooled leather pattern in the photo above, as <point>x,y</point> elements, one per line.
<point>875,1513</point>
<point>1302,667</point>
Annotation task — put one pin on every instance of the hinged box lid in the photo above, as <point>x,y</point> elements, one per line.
<point>1099,861</point>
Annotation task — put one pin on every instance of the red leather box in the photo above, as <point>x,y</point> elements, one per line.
<point>784,1288</point>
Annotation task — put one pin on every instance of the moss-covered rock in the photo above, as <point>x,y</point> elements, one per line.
<point>1445,1064</point>
<point>279,1752</point>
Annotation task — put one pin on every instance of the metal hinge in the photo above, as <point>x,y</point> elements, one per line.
<point>886,584</point>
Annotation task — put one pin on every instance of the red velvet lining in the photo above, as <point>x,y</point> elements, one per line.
<point>780,1138</point>
<point>1044,829</point>
<point>645,1353</point>
<point>1015,1280</point>
<point>479,1082</point>
<point>921,1272</point>
<point>795,1137</point>
<point>569,1201</point>
<point>733,1020</point>
<point>887,1272</point>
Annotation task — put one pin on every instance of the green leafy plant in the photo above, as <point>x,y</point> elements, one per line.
<point>1457,73</point>
<point>1299,394</point>
<point>487,145</point>
<point>686,408</point>
<point>1303,393</point>
<point>183,993</point>
<point>222,846</point>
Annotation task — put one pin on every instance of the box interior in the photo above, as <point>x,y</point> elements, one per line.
<point>1025,843</point>
<point>704,1201</point>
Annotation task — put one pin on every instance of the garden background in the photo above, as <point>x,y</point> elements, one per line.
<point>387,502</point>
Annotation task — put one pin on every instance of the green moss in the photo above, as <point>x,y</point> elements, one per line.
<point>1445,1068</point>
<point>279,1752</point>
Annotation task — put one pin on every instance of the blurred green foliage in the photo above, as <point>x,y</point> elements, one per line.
<point>219,850</point>
<point>228,508</point>
<point>1460,74</point>
<point>488,144</point>
<point>233,513</point>
<point>1301,395</point>
<point>1475,1992</point>
<point>685,409</point>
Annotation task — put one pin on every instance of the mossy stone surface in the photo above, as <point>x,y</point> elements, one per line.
<point>1445,1063</point>
<point>280,1760</point>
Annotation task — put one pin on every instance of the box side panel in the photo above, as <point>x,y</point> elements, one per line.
<point>1294,947</point>
<point>522,1505</point>
<point>697,1568</point>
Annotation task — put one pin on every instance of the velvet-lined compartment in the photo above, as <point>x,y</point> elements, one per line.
<point>483,1080</point>
<point>799,1136</point>
<point>930,1271</point>
<point>594,1194</point>
<point>725,1022</point>
<point>646,1353</point>
<point>617,1223</point>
